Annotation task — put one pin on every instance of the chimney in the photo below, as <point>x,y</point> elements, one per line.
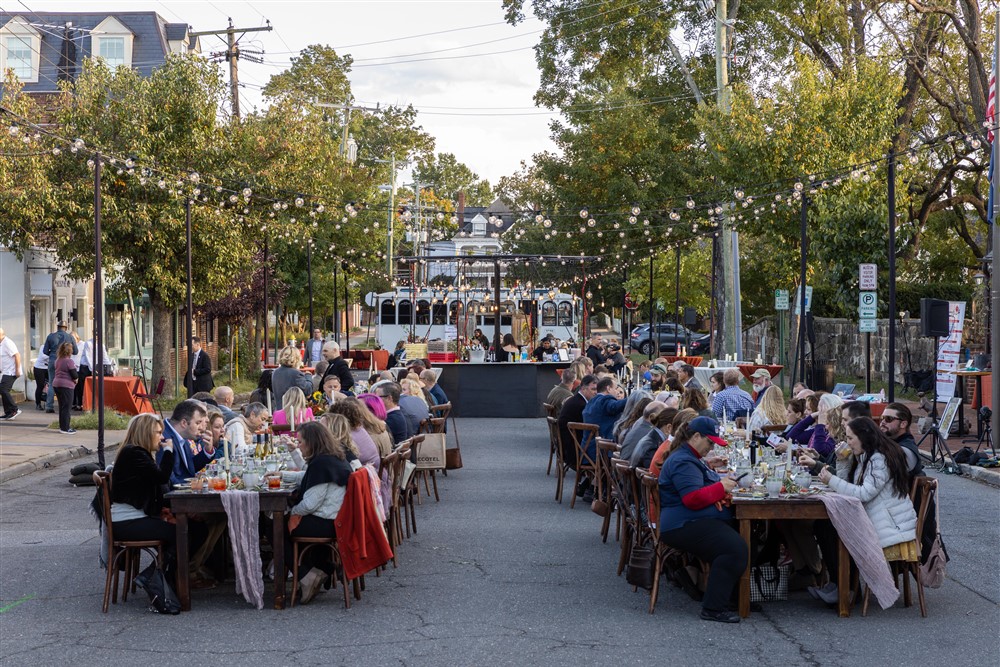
<point>461,209</point>
<point>67,55</point>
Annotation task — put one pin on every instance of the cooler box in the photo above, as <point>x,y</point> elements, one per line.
<point>442,357</point>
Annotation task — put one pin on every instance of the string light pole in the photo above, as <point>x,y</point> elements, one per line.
<point>98,311</point>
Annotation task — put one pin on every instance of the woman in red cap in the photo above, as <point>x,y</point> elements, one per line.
<point>695,519</point>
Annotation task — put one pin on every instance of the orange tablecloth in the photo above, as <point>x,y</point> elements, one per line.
<point>119,395</point>
<point>694,361</point>
<point>750,369</point>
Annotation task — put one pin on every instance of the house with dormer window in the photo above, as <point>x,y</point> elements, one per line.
<point>43,49</point>
<point>479,234</point>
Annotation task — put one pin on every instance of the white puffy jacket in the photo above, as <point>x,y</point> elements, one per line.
<point>893,516</point>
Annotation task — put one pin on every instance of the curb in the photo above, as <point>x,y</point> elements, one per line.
<point>43,462</point>
<point>989,476</point>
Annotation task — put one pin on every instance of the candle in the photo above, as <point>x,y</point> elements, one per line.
<point>268,395</point>
<point>291,417</point>
<point>225,451</point>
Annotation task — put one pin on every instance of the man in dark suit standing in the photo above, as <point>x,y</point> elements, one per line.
<point>201,370</point>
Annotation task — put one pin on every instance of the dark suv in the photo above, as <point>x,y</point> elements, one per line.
<point>669,336</point>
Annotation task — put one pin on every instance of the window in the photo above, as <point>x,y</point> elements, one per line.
<point>388,312</point>
<point>455,312</point>
<point>210,331</point>
<point>548,314</point>
<point>439,313</point>
<point>423,312</point>
<point>506,311</point>
<point>112,51</point>
<point>404,313</point>
<point>565,314</point>
<point>20,57</point>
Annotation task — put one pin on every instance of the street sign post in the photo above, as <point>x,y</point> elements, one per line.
<point>781,299</point>
<point>868,277</point>
<point>868,305</point>
<point>798,300</point>
<point>867,326</point>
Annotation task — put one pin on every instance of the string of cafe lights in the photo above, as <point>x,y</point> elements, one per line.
<point>673,213</point>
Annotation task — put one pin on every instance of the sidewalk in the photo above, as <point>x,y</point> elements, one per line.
<point>989,476</point>
<point>27,445</point>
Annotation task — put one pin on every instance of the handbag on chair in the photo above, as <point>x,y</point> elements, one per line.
<point>641,564</point>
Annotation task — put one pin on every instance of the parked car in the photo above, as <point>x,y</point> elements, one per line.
<point>668,337</point>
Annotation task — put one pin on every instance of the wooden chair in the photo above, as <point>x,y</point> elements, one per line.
<point>411,491</point>
<point>774,428</point>
<point>550,413</point>
<point>126,552</point>
<point>555,438</point>
<point>605,449</point>
<point>398,509</point>
<point>431,425</point>
<point>924,492</point>
<point>443,411</point>
<point>387,465</point>
<point>625,486</point>
<point>301,545</point>
<point>586,466</point>
<point>651,490</point>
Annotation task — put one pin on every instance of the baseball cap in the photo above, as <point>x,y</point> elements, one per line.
<point>761,373</point>
<point>658,368</point>
<point>708,427</point>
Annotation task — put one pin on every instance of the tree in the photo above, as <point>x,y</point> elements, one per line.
<point>447,176</point>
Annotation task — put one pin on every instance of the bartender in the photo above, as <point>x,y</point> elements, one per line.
<point>544,348</point>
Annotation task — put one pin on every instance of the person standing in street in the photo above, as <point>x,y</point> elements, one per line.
<point>201,370</point>
<point>41,371</point>
<point>314,348</point>
<point>64,382</point>
<point>10,370</point>
<point>53,342</point>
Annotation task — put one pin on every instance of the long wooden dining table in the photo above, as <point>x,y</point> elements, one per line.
<point>789,509</point>
<point>185,503</point>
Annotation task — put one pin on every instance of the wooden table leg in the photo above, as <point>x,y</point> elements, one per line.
<point>843,580</point>
<point>745,577</point>
<point>183,564</point>
<point>278,543</point>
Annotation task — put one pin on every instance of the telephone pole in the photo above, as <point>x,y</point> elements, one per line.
<point>232,55</point>
<point>347,108</point>
<point>730,302</point>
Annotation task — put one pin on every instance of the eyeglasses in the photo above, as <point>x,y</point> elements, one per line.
<point>889,420</point>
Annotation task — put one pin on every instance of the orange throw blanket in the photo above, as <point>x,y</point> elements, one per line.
<point>360,535</point>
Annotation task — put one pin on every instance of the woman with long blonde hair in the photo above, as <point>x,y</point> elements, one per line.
<point>294,409</point>
<point>770,412</point>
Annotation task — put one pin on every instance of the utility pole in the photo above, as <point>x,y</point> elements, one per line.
<point>232,55</point>
<point>347,108</point>
<point>729,303</point>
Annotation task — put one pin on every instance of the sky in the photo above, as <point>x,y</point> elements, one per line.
<point>480,108</point>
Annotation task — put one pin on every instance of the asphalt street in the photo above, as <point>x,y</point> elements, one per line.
<point>499,574</point>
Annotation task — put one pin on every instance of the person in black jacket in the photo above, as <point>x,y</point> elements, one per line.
<point>137,484</point>
<point>202,367</point>
<point>338,367</point>
<point>572,411</point>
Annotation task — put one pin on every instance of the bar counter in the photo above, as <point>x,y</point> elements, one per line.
<point>510,389</point>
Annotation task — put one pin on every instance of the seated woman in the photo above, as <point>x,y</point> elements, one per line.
<point>716,383</point>
<point>294,409</point>
<point>631,415</point>
<point>661,432</point>
<point>374,424</point>
<point>412,403</point>
<point>878,476</point>
<point>681,418</point>
<point>509,351</point>
<point>137,484</point>
<point>695,518</point>
<point>770,411</point>
<point>240,431</point>
<point>319,495</point>
<point>812,429</point>
<point>695,399</point>
<point>359,418</point>
<point>215,432</point>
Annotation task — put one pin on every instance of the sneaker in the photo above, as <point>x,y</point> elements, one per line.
<point>69,431</point>
<point>4,417</point>
<point>822,592</point>
<point>13,414</point>
<point>719,616</point>
<point>310,584</point>
<point>50,411</point>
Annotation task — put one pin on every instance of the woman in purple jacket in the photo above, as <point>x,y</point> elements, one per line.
<point>64,384</point>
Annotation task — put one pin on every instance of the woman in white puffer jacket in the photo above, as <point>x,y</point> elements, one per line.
<point>877,475</point>
<point>880,481</point>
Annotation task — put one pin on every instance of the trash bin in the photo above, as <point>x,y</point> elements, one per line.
<point>820,375</point>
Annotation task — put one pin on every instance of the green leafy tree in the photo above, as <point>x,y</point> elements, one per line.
<point>447,176</point>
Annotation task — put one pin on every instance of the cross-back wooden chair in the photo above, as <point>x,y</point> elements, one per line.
<point>623,481</point>
<point>605,449</point>
<point>924,492</point>
<point>431,425</point>
<point>124,552</point>
<point>586,466</point>
<point>555,439</point>
<point>388,471</point>
<point>443,411</point>
<point>650,487</point>
<point>411,491</point>
<point>550,413</point>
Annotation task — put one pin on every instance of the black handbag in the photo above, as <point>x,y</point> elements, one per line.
<point>162,598</point>
<point>641,564</point>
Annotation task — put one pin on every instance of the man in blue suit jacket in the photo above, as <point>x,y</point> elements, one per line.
<point>184,426</point>
<point>604,410</point>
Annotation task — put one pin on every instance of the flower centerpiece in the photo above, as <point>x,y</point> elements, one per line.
<point>317,403</point>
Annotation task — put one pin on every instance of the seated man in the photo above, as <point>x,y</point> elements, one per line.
<point>604,410</point>
<point>224,397</point>
<point>395,421</point>
<point>895,423</point>
<point>185,426</point>
<point>572,411</point>
<point>732,402</point>
<point>429,380</point>
<point>561,391</point>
